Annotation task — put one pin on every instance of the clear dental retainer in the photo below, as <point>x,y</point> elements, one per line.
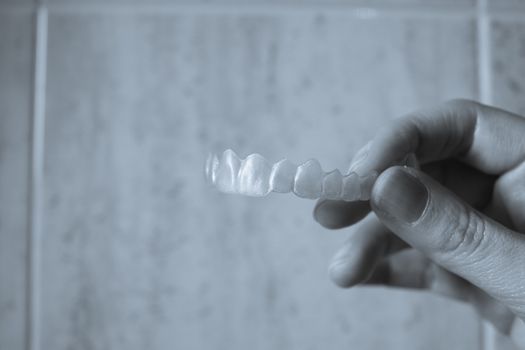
<point>256,176</point>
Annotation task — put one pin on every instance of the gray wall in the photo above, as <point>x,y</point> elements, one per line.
<point>130,249</point>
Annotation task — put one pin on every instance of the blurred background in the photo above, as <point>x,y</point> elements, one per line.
<point>109,236</point>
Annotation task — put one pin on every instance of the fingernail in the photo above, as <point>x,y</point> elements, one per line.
<point>400,194</point>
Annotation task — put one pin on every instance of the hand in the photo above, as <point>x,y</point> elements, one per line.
<point>463,213</point>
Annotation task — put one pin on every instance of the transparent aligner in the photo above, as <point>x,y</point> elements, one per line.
<point>255,176</point>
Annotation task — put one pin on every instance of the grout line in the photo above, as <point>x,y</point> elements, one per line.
<point>483,28</point>
<point>359,9</point>
<point>362,10</point>
<point>483,24</point>
<point>37,175</point>
<point>488,336</point>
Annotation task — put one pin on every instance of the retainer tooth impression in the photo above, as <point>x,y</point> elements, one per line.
<point>255,176</point>
<point>308,180</point>
<point>226,172</point>
<point>282,176</point>
<point>333,184</point>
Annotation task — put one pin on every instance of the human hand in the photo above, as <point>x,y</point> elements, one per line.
<point>463,213</point>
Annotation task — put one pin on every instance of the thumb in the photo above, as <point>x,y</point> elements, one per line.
<point>452,234</point>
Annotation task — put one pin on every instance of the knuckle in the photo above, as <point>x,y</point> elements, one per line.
<point>464,236</point>
<point>511,182</point>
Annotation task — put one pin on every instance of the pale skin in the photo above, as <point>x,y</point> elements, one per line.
<point>467,241</point>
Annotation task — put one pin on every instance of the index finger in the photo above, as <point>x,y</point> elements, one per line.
<point>487,138</point>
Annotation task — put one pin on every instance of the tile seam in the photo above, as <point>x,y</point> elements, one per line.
<point>483,20</point>
<point>484,54</point>
<point>442,11</point>
<point>36,174</point>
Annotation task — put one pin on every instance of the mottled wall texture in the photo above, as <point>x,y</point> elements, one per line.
<point>133,249</point>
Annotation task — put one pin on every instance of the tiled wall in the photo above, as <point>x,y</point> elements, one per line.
<point>127,248</point>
